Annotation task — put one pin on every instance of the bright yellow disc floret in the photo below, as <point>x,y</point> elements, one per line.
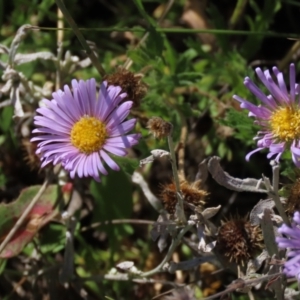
<point>285,124</point>
<point>88,134</point>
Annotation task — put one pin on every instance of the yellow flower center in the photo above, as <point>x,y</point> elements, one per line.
<point>285,124</point>
<point>88,134</point>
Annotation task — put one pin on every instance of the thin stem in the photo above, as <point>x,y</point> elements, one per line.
<point>274,193</point>
<point>181,148</point>
<point>81,38</point>
<point>176,178</point>
<point>60,38</point>
<point>128,62</point>
<point>182,31</point>
<point>174,244</point>
<point>119,221</point>
<point>289,55</point>
<point>237,13</point>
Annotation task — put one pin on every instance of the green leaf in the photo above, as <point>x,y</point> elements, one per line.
<point>113,200</point>
<point>245,129</point>
<point>142,11</point>
<point>155,43</point>
<point>6,118</point>
<point>128,165</point>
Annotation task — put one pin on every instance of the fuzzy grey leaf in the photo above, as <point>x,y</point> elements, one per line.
<point>268,233</point>
<point>258,210</point>
<point>3,49</point>
<point>202,171</point>
<point>210,212</point>
<point>20,36</point>
<point>3,65</point>
<point>256,263</point>
<point>236,184</point>
<point>26,58</point>
<point>291,294</point>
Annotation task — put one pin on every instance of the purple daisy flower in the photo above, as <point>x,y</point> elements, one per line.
<point>78,129</point>
<point>292,242</point>
<point>278,116</point>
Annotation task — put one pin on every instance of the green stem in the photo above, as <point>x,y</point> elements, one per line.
<point>183,31</point>
<point>237,13</point>
<point>80,37</point>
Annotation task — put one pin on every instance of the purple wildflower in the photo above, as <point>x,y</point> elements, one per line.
<point>278,116</point>
<point>292,242</point>
<point>79,128</point>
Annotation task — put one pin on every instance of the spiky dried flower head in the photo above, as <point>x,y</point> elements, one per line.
<point>293,200</point>
<point>238,240</point>
<point>130,83</point>
<point>159,128</point>
<point>192,194</point>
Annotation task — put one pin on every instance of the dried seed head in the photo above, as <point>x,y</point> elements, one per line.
<point>293,201</point>
<point>192,194</point>
<point>239,240</point>
<point>159,128</point>
<point>130,83</point>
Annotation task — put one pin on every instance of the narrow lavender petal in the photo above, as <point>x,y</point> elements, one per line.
<point>252,152</point>
<point>255,110</point>
<point>50,131</point>
<point>71,162</point>
<point>100,165</point>
<point>62,142</point>
<point>279,95</point>
<point>77,98</point>
<point>119,114</point>
<point>80,166</point>
<point>296,217</point>
<point>132,139</point>
<point>277,148</point>
<point>69,104</point>
<point>258,93</point>
<point>44,122</point>
<point>120,98</point>
<point>115,150</point>
<point>112,164</point>
<point>122,128</point>
<point>61,112</point>
<point>103,101</point>
<point>113,91</point>
<point>292,82</point>
<point>55,115</point>
<point>91,90</point>
<point>84,96</point>
<point>280,80</point>
<point>87,166</point>
<point>295,149</point>
<point>94,157</point>
<point>296,160</point>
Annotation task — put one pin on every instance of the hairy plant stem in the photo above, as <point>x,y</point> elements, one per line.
<point>274,193</point>
<point>81,38</point>
<point>180,215</point>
